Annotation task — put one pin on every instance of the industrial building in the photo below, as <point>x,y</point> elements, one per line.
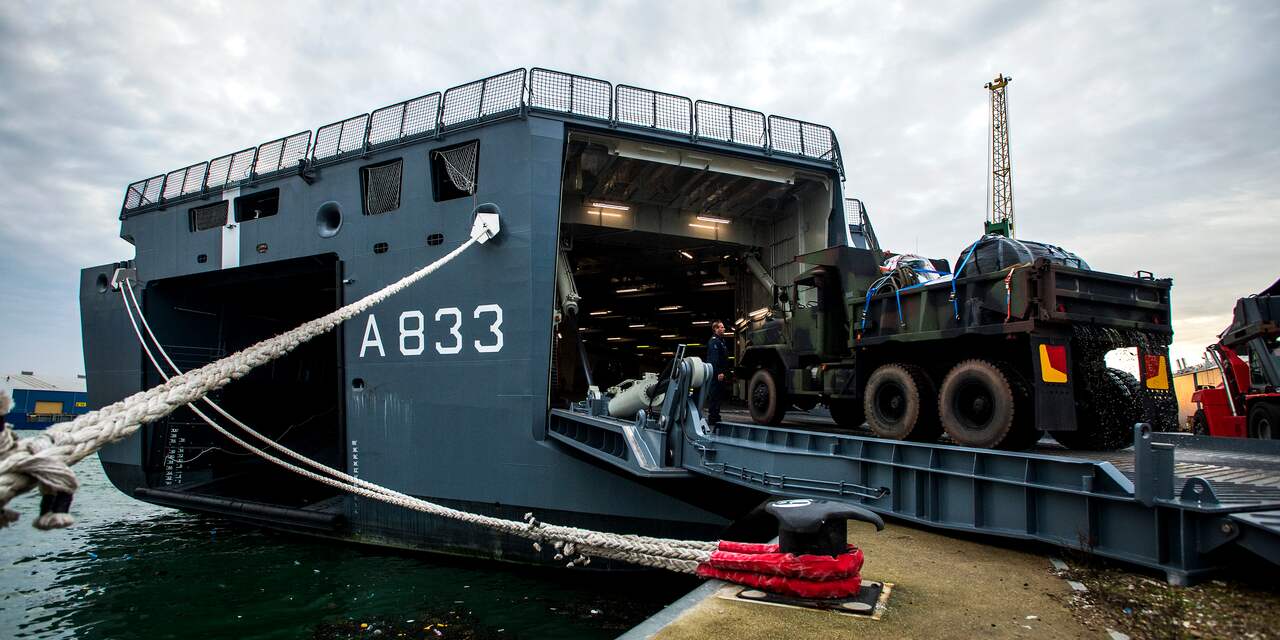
<point>41,401</point>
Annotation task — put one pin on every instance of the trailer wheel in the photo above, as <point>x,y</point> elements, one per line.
<point>1199,423</point>
<point>847,413</point>
<point>766,398</point>
<point>1264,421</point>
<point>900,403</point>
<point>978,405</point>
<point>1106,411</point>
<point>1024,434</point>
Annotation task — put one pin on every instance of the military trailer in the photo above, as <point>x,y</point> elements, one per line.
<point>1011,345</point>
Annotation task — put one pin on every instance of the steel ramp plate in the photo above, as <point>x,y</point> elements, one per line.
<point>1260,533</point>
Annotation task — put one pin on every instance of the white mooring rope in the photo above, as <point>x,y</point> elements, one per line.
<point>45,459</point>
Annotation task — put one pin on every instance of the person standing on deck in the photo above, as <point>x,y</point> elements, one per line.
<point>718,358</point>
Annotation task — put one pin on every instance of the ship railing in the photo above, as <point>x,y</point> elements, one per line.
<point>505,95</point>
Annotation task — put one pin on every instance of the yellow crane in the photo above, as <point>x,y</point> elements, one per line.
<point>1000,208</point>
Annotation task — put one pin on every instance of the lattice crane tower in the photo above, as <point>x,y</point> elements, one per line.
<point>1000,213</point>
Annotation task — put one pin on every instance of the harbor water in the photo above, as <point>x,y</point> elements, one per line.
<point>128,569</point>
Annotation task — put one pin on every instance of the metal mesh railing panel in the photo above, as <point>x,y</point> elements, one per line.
<point>801,138</point>
<point>461,104</point>
<point>173,183</point>
<point>384,124</point>
<point>340,137</point>
<point>194,180</point>
<point>567,93</point>
<point>241,165</point>
<point>404,120</point>
<point>382,188</point>
<point>269,156</point>
<point>819,141</point>
<point>218,169</point>
<point>295,149</point>
<point>176,183</point>
<point>654,110</point>
<point>784,135</point>
<point>353,132</point>
<point>503,93</point>
<point>143,192</point>
<point>731,124</point>
<point>421,114</point>
<point>282,153</point>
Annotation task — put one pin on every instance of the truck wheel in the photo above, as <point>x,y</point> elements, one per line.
<point>1264,421</point>
<point>978,405</point>
<point>1199,423</point>
<point>1106,411</point>
<point>900,403</point>
<point>847,413</point>
<point>766,398</point>
<point>1024,434</point>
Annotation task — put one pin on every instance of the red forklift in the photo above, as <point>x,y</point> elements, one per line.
<point>1247,403</point>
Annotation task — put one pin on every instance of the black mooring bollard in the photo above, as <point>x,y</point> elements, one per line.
<point>817,527</point>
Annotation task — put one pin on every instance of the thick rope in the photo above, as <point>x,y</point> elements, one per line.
<point>675,555</point>
<point>45,459</point>
<point>663,553</point>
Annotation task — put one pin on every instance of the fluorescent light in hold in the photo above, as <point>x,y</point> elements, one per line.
<point>609,205</point>
<point>599,313</point>
<point>670,307</point>
<point>686,254</point>
<point>668,353</point>
<point>631,290</point>
<point>699,323</point>
<point>714,283</point>
<point>702,226</point>
<point>669,335</point>
<point>714,219</point>
<point>759,313</point>
<point>643,346</point>
<point>728,333</point>
<point>613,339</point>
<point>636,326</point>
<point>694,344</point>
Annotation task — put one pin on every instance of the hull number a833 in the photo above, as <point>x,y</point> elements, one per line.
<point>445,335</point>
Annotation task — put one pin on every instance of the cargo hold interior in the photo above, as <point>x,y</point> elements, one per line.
<point>295,400</point>
<point>659,242</point>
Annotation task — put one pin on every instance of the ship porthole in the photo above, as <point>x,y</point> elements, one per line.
<point>103,283</point>
<point>329,219</point>
<point>357,384</point>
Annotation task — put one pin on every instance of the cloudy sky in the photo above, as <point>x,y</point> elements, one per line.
<point>1144,136</point>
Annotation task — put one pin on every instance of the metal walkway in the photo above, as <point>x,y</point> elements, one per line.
<point>1178,504</point>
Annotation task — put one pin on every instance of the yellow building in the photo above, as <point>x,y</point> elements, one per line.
<point>1185,383</point>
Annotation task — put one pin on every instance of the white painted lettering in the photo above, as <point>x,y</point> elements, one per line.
<point>371,337</point>
<point>416,334</point>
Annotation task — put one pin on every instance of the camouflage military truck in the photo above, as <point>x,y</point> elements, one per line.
<point>1009,346</point>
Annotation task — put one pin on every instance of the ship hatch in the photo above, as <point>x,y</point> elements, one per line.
<point>657,239</point>
<point>296,400</point>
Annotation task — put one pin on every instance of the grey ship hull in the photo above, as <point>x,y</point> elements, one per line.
<point>442,391</point>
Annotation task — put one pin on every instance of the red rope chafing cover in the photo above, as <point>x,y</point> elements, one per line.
<point>806,576</point>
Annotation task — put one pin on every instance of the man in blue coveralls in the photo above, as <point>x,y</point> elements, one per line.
<point>718,358</point>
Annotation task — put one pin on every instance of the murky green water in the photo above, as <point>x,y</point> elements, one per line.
<point>132,570</point>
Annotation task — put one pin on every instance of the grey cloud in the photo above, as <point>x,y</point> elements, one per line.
<point>1143,137</point>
